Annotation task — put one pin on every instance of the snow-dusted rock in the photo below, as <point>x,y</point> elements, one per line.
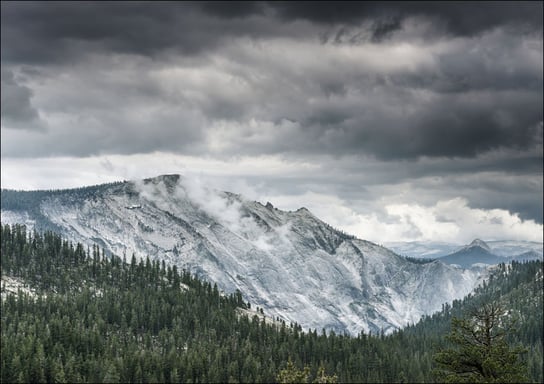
<point>291,264</point>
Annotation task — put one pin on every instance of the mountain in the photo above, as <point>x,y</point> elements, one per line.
<point>94,319</point>
<point>479,252</point>
<point>292,264</point>
<point>477,244</point>
<point>529,255</point>
<point>510,248</point>
<point>433,250</point>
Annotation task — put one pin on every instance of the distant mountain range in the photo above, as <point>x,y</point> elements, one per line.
<point>422,249</point>
<point>477,252</point>
<point>290,263</point>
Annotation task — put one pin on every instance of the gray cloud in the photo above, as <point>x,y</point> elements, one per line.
<point>460,18</point>
<point>454,98</point>
<point>17,109</point>
<point>439,99</point>
<point>56,32</point>
<point>60,32</point>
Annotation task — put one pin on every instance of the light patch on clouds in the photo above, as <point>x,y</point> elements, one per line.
<point>52,173</point>
<point>228,135</point>
<point>451,221</point>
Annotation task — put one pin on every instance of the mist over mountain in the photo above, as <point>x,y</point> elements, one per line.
<point>289,262</point>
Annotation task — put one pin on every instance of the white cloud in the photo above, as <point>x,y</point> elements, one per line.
<point>451,221</point>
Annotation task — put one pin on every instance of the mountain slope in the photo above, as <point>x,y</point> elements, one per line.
<point>291,263</point>
<point>94,319</point>
<point>516,287</point>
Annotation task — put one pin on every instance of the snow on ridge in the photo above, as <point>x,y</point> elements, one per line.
<point>290,263</point>
<point>13,217</point>
<point>479,243</point>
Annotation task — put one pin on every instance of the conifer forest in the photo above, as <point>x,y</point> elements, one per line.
<point>78,315</point>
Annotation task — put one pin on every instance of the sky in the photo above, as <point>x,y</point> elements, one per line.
<point>394,121</point>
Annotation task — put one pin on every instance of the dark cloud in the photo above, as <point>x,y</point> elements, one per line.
<point>111,132</point>
<point>459,17</point>
<point>390,92</point>
<point>383,28</point>
<point>38,32</point>
<point>232,9</point>
<point>519,198</point>
<point>396,126</point>
<point>478,97</point>
<point>466,125</point>
<point>17,109</point>
<point>369,187</point>
<point>56,32</point>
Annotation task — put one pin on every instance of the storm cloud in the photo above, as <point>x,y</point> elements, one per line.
<point>60,31</point>
<point>17,109</point>
<point>389,95</point>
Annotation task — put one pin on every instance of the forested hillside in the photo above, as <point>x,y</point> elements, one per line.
<point>290,263</point>
<point>79,316</point>
<point>516,287</point>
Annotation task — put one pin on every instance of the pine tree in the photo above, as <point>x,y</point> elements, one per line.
<point>292,374</point>
<point>481,354</point>
<point>322,378</point>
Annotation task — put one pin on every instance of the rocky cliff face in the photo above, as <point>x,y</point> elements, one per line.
<point>290,263</point>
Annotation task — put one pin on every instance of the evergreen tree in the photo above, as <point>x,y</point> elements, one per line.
<point>481,353</point>
<point>322,378</point>
<point>293,375</point>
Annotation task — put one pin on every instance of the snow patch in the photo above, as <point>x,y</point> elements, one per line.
<point>12,285</point>
<point>13,217</point>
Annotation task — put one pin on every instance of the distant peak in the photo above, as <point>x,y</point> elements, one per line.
<point>479,243</point>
